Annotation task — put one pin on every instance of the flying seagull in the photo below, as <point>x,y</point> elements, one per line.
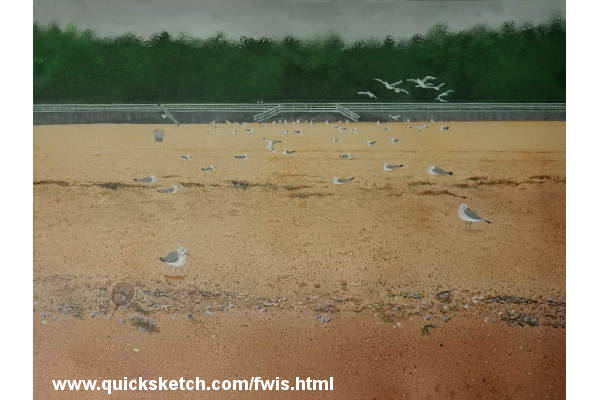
<point>433,170</point>
<point>176,259</point>
<point>421,83</point>
<point>167,114</point>
<point>430,86</point>
<point>446,93</point>
<point>391,86</point>
<point>170,189</point>
<point>367,93</point>
<point>394,117</point>
<point>345,156</point>
<point>146,179</point>
<point>270,144</point>
<point>209,168</point>
<point>392,167</point>
<point>469,216</point>
<point>340,181</point>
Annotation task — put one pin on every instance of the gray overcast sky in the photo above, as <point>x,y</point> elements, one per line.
<point>351,18</point>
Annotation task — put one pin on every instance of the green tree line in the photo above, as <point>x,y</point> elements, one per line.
<point>512,63</point>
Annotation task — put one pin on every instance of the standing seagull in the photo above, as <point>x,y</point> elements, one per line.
<point>469,216</point>
<point>176,259</point>
<point>345,156</point>
<point>340,181</point>
<point>419,127</point>
<point>169,190</point>
<point>433,170</point>
<point>159,135</point>
<point>392,167</point>
<point>371,142</point>
<point>146,179</point>
<point>446,93</point>
<point>367,93</point>
<point>186,157</point>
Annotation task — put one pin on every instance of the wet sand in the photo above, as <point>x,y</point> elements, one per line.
<point>273,243</point>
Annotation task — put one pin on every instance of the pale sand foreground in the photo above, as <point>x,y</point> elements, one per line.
<point>284,240</point>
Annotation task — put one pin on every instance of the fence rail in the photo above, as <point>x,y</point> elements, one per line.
<point>308,107</point>
<point>258,112</point>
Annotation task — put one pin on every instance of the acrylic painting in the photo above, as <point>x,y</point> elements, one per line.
<point>359,199</point>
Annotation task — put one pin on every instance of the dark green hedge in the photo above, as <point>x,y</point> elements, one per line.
<point>512,63</point>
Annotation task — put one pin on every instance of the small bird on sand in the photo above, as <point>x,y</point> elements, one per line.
<point>176,259</point>
<point>186,157</point>
<point>345,156</point>
<point>340,181</point>
<point>469,216</point>
<point>241,156</point>
<point>209,168</point>
<point>159,135</point>
<point>146,179</point>
<point>392,167</point>
<point>170,189</point>
<point>371,142</point>
<point>419,127</point>
<point>394,140</point>
<point>121,295</point>
<point>288,152</point>
<point>444,128</point>
<point>433,170</point>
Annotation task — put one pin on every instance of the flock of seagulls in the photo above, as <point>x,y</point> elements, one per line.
<point>421,83</point>
<point>177,259</point>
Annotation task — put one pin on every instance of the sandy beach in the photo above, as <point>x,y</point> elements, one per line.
<point>290,275</point>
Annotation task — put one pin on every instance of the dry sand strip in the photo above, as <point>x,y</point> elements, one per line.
<point>366,357</point>
<point>292,275</point>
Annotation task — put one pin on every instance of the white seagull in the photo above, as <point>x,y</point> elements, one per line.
<point>392,167</point>
<point>419,127</point>
<point>345,156</point>
<point>422,83</point>
<point>433,170</point>
<point>469,216</point>
<point>270,144</point>
<point>146,179</point>
<point>430,86</point>
<point>371,142</point>
<point>340,181</point>
<point>391,86</point>
<point>170,189</point>
<point>446,93</point>
<point>209,168</point>
<point>394,140</point>
<point>186,157</point>
<point>176,259</point>
<point>367,93</point>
